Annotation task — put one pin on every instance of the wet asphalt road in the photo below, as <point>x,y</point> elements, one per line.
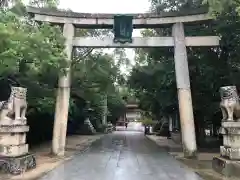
<point>123,155</point>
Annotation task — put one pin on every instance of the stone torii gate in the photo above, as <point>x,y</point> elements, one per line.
<point>70,20</point>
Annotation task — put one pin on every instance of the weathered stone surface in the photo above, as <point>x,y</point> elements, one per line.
<point>229,104</point>
<point>137,42</point>
<point>226,167</point>
<point>231,141</point>
<point>12,139</point>
<point>230,124</point>
<point>230,131</point>
<point>6,122</point>
<point>233,153</point>
<point>64,13</point>
<point>184,91</point>
<point>17,165</point>
<point>106,20</point>
<point>12,151</point>
<point>14,156</point>
<point>14,129</point>
<point>15,107</point>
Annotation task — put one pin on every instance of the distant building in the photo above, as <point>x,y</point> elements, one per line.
<point>133,113</point>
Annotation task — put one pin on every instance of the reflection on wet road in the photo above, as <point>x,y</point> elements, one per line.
<point>123,155</point>
<point>132,126</point>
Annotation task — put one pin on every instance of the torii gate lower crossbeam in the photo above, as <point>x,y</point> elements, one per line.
<point>144,42</point>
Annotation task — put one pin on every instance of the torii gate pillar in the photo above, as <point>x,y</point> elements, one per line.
<point>63,96</point>
<point>184,92</point>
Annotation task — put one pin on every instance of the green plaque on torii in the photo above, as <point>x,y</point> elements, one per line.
<point>123,28</point>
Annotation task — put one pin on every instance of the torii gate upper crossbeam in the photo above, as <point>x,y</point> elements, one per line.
<point>88,20</point>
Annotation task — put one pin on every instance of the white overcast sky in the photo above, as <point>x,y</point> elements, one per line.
<point>109,6</point>
<point>106,6</point>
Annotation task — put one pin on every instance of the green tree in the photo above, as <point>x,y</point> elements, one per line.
<point>36,3</point>
<point>217,7</point>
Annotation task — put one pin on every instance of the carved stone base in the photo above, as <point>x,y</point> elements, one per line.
<point>226,167</point>
<point>17,165</point>
<point>9,122</point>
<point>230,152</point>
<point>231,140</point>
<point>13,150</point>
<point>7,139</point>
<point>14,129</point>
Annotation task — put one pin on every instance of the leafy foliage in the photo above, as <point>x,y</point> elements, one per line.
<point>28,50</point>
<point>217,7</point>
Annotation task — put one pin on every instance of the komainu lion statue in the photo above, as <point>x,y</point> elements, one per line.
<point>230,105</point>
<point>16,105</point>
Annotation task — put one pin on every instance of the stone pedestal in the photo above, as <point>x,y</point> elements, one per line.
<point>18,164</point>
<point>231,140</point>
<point>14,155</point>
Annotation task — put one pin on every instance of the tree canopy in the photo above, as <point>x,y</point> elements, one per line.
<point>219,6</point>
